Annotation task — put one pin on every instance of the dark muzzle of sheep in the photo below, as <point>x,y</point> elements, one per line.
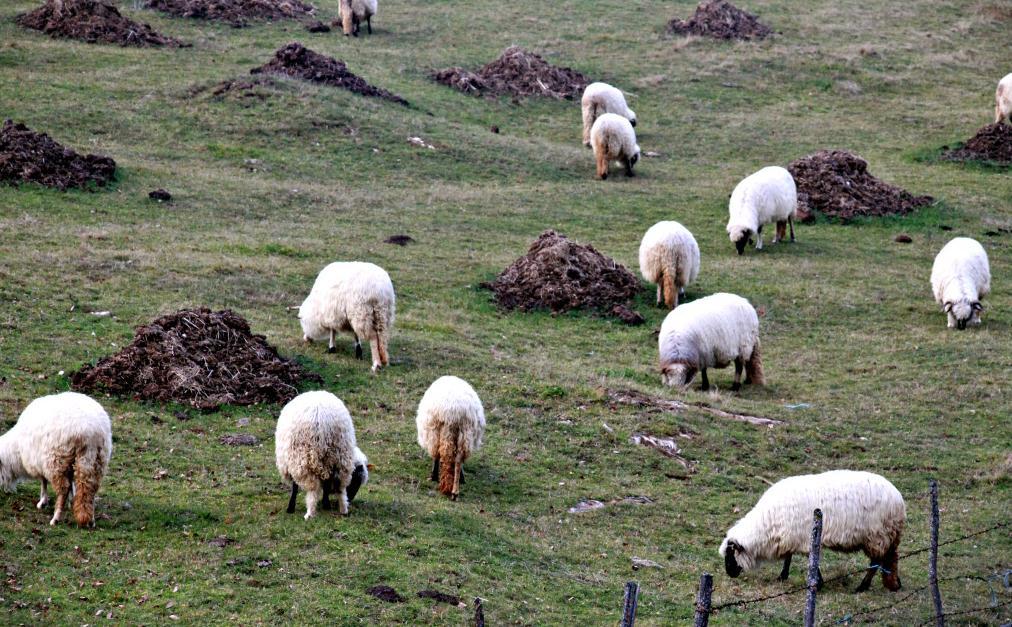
<point>730,563</point>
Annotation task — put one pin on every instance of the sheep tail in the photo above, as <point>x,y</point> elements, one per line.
<point>754,366</point>
<point>448,468</point>
<point>346,16</point>
<point>670,291</point>
<point>88,470</point>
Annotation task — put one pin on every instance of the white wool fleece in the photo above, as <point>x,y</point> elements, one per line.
<point>960,278</point>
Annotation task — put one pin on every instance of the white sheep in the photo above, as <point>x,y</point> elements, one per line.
<point>451,424</point>
<point>351,296</point>
<point>960,278</point>
<point>669,257</point>
<point>64,439</point>
<point>613,139</point>
<point>768,195</point>
<point>1003,100</point>
<point>710,332</point>
<point>601,98</point>
<point>315,449</point>
<point>860,510</point>
<point>353,13</point>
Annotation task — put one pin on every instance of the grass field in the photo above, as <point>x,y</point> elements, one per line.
<point>850,329</point>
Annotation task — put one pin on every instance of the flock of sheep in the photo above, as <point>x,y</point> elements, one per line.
<point>65,439</point>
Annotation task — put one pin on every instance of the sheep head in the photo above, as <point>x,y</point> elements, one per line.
<point>736,558</point>
<point>678,374</point>
<point>963,312</point>
<point>631,116</point>
<point>740,235</point>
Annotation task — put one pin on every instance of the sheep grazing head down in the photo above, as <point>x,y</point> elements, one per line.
<point>963,312</point>
<point>632,118</point>
<point>741,236</point>
<point>736,558</point>
<point>678,374</point>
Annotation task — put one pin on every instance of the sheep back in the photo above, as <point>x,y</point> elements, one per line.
<point>710,332</point>
<point>315,439</point>
<point>613,136</point>
<point>349,296</point>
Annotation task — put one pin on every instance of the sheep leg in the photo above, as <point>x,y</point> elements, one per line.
<point>368,24</point>
<point>820,580</point>
<point>358,347</point>
<point>786,570</point>
<point>660,295</point>
<point>462,475</point>
<point>868,576</point>
<point>332,346</point>
<point>43,495</point>
<point>706,382</point>
<point>628,166</point>
<point>739,365</point>
<point>377,359</point>
<point>327,486</point>
<point>790,222</point>
<point>291,500</point>
<point>312,498</point>
<point>457,466</point>
<point>891,574</point>
<point>435,468</point>
<point>61,486</point>
<point>759,238</point>
<point>602,163</point>
<point>781,231</point>
<point>588,121</point>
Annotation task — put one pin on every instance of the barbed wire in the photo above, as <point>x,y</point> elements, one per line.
<point>970,611</point>
<point>966,537</point>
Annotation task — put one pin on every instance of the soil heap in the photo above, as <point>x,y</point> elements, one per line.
<point>517,73</point>
<point>30,157</point>
<point>92,21</point>
<point>720,19</point>
<point>234,12</point>
<point>991,143</point>
<point>199,357</point>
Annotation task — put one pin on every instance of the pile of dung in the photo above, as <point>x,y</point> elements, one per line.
<point>297,61</point>
<point>198,357</point>
<point>234,12</point>
<point>30,157</point>
<point>558,274</point>
<point>991,143</point>
<point>517,73</point>
<point>93,21</point>
<point>719,19</point>
<point>837,184</point>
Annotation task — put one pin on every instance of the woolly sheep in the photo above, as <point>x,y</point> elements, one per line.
<point>451,423</point>
<point>353,13</point>
<point>710,332</point>
<point>669,257</point>
<point>64,439</point>
<point>351,296</point>
<point>315,449</point>
<point>768,195</point>
<point>600,98</point>
<point>861,511</point>
<point>960,278</point>
<point>1003,100</point>
<point>613,139</point>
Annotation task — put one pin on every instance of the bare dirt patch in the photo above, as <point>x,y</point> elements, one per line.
<point>991,143</point>
<point>719,19</point>
<point>234,12</point>
<point>30,157</point>
<point>92,21</point>
<point>297,61</point>
<point>516,73</point>
<point>239,439</point>
<point>442,597</point>
<point>399,240</point>
<point>559,275</point>
<point>385,593</point>
<point>837,184</point>
<point>199,357</point>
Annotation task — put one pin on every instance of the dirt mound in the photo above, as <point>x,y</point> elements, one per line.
<point>92,21</point>
<point>720,19</point>
<point>196,356</point>
<point>234,12</point>
<point>297,61</point>
<point>559,275</point>
<point>30,157</point>
<point>991,143</point>
<point>837,184</point>
<point>517,73</point>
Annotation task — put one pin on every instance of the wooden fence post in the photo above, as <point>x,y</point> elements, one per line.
<point>632,591</point>
<point>703,600</point>
<point>936,596</point>
<point>479,613</point>
<point>814,577</point>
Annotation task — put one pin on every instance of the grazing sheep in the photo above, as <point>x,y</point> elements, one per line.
<point>64,439</point>
<point>960,278</point>
<point>861,511</point>
<point>315,449</point>
<point>600,98</point>
<point>351,296</point>
<point>669,257</point>
<point>353,13</point>
<point>1003,100</point>
<point>711,332</point>
<point>451,423</point>
<point>768,195</point>
<point>614,139</point>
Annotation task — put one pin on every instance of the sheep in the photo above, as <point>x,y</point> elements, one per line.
<point>64,439</point>
<point>768,195</point>
<point>353,13</point>
<point>315,449</point>
<point>614,139</point>
<point>861,511</point>
<point>599,98</point>
<point>710,333</point>
<point>960,278</point>
<point>451,423</point>
<point>1003,100</point>
<point>351,296</point>
<point>669,257</point>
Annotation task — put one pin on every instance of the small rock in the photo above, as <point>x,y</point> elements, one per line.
<point>385,593</point>
<point>399,240</point>
<point>220,542</point>
<point>849,87</point>
<point>495,129</point>
<point>903,238</point>
<point>651,154</point>
<point>160,195</point>
<point>160,474</point>
<point>626,315</point>
<point>639,562</point>
<point>587,505</point>
<point>238,439</point>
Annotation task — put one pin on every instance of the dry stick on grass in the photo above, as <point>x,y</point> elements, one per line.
<point>631,397</point>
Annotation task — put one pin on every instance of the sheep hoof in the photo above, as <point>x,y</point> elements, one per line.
<point>453,497</point>
<point>331,349</point>
<point>358,351</point>
<point>307,516</point>
<point>40,504</point>
<point>52,523</point>
<point>735,386</point>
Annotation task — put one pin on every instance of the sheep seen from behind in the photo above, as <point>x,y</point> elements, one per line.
<point>601,98</point>
<point>451,424</point>
<point>613,139</point>
<point>1003,100</point>
<point>669,257</point>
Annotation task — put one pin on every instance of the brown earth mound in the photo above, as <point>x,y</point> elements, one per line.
<point>30,157</point>
<point>92,21</point>
<point>234,12</point>
<point>991,143</point>
<point>720,19</point>
<point>837,184</point>
<point>559,275</point>
<point>196,356</point>
<point>517,73</point>
<point>297,61</point>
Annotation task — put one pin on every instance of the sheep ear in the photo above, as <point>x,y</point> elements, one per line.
<point>947,307</point>
<point>977,307</point>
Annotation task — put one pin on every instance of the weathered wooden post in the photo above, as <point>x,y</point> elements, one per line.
<point>703,600</point>
<point>814,577</point>
<point>479,613</point>
<point>632,592</point>
<point>936,596</point>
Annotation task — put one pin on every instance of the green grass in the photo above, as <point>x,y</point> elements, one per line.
<point>850,327</point>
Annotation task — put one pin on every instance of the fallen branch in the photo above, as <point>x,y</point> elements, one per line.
<point>631,397</point>
<point>665,446</point>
